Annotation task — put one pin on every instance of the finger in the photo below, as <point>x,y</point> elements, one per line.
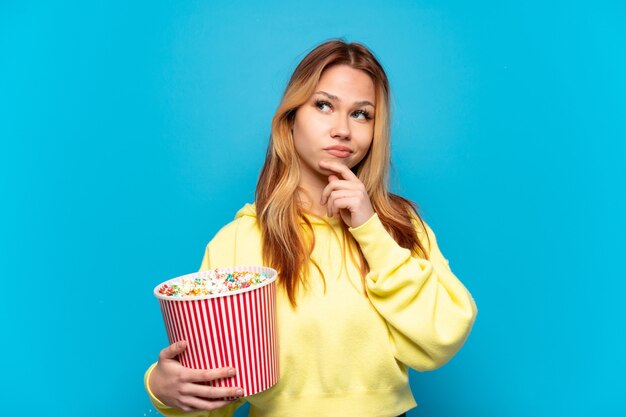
<point>205,391</point>
<point>202,375</point>
<point>326,191</point>
<point>330,194</point>
<point>199,404</point>
<point>342,203</point>
<point>339,168</point>
<point>173,350</point>
<point>332,198</point>
<point>336,185</point>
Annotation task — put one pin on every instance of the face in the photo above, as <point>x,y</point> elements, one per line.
<point>337,122</point>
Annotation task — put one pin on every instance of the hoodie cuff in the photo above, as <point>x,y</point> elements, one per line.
<point>157,403</point>
<point>379,248</point>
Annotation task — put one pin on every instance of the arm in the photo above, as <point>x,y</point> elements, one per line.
<point>428,311</point>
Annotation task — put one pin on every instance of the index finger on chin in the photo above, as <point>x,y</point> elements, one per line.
<point>336,166</point>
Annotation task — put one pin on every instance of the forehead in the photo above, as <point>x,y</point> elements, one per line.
<point>347,83</point>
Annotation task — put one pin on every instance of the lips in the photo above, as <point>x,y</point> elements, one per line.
<point>339,151</point>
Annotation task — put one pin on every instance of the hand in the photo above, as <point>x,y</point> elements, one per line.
<point>178,386</point>
<point>346,196</point>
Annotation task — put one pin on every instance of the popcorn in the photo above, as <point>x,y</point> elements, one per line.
<point>210,282</point>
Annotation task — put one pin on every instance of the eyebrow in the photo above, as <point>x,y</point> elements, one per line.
<point>356,103</point>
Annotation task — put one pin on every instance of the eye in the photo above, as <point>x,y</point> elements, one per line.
<point>362,115</point>
<point>320,104</point>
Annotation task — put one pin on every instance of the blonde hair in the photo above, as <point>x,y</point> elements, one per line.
<point>285,247</point>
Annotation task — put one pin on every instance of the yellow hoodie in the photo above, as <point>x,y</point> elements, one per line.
<point>342,353</point>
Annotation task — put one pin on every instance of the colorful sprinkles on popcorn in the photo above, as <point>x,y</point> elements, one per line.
<point>211,282</point>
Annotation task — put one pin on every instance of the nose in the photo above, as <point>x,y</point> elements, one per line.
<point>341,128</point>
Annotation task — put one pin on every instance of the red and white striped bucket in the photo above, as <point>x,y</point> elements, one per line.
<point>234,329</point>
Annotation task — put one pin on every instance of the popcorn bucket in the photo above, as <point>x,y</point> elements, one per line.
<point>231,329</point>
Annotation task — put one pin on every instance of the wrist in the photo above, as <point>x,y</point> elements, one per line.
<point>152,386</point>
<point>361,218</point>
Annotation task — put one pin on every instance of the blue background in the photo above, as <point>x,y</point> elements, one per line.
<point>132,131</point>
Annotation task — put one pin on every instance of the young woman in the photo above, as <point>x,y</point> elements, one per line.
<point>364,292</point>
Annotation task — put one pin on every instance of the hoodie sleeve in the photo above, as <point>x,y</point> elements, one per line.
<point>429,313</point>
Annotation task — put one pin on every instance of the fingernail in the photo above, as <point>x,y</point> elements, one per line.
<point>239,393</point>
<point>181,343</point>
<point>232,372</point>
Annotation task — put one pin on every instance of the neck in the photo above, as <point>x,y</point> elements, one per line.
<point>310,193</point>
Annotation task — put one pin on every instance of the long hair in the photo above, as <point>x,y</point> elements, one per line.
<point>286,245</point>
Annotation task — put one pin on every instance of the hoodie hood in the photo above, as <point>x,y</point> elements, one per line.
<point>247,210</point>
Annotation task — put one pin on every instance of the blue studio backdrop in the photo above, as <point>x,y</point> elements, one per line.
<point>131,131</point>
